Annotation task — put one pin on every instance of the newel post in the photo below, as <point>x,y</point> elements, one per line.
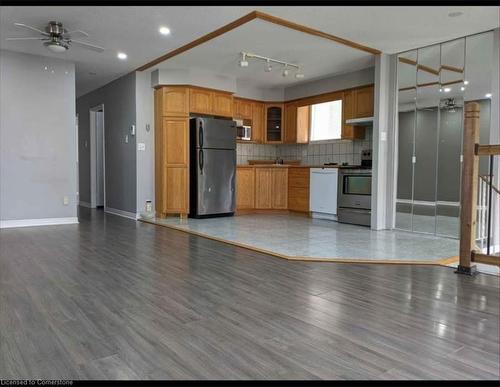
<point>468,197</point>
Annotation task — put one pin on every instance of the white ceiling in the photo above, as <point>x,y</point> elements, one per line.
<point>317,58</point>
<point>134,30</point>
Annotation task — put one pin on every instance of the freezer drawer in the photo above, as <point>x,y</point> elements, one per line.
<point>323,186</point>
<point>213,182</point>
<point>354,216</point>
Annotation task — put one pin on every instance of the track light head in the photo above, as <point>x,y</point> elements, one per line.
<point>269,68</point>
<point>243,61</point>
<point>285,72</point>
<point>299,75</point>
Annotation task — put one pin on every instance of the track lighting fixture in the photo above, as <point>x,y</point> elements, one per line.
<point>286,65</point>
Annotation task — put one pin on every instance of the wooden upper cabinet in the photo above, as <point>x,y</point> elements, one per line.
<point>175,101</point>
<point>258,126</point>
<point>279,188</point>
<point>303,124</point>
<point>200,101</point>
<point>290,124</point>
<point>175,139</point>
<point>263,188</point>
<point>222,104</point>
<point>350,132</point>
<point>243,108</point>
<point>274,123</point>
<point>245,188</point>
<point>364,102</point>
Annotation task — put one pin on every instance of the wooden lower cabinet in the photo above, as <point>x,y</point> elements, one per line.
<point>245,188</point>
<point>263,188</point>
<point>279,188</point>
<point>298,189</point>
<point>176,190</point>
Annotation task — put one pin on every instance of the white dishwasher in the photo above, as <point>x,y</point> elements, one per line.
<point>323,195</point>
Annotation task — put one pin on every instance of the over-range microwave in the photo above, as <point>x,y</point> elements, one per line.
<point>243,130</point>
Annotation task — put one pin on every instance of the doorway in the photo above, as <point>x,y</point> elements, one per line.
<point>97,158</point>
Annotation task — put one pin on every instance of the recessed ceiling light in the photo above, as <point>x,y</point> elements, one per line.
<point>447,89</point>
<point>466,82</point>
<point>455,13</point>
<point>488,95</point>
<point>462,88</point>
<point>122,56</point>
<point>164,30</point>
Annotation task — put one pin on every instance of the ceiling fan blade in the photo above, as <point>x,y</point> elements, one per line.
<point>31,28</point>
<point>75,32</point>
<point>87,45</point>
<point>27,38</point>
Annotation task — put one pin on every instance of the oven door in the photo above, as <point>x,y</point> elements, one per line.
<point>355,190</point>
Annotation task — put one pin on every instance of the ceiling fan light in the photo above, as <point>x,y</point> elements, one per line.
<point>56,47</point>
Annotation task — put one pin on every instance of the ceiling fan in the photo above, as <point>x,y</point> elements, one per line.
<point>56,38</point>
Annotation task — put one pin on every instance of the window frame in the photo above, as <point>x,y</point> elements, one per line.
<point>320,101</point>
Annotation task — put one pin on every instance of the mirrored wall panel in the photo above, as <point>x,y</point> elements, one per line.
<point>434,83</point>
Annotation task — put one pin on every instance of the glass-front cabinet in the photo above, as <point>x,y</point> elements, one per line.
<point>274,123</point>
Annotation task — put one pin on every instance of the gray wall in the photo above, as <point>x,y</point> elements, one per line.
<point>145,158</point>
<point>334,83</point>
<point>119,102</point>
<point>37,137</point>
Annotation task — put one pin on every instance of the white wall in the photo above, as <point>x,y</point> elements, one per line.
<point>37,140</point>
<point>329,84</point>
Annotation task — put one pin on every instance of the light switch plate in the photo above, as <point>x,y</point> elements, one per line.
<point>65,200</point>
<point>132,130</point>
<point>141,146</point>
<point>126,139</point>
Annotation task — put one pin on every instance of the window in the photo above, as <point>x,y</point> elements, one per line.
<point>326,121</point>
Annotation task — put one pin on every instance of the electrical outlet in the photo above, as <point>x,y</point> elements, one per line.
<point>126,139</point>
<point>65,200</point>
<point>141,146</point>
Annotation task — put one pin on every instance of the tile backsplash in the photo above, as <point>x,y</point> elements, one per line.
<point>338,151</point>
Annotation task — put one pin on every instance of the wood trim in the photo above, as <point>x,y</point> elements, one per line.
<point>312,31</point>
<point>452,68</point>
<point>485,258</point>
<point>440,262</point>
<point>470,168</point>
<point>430,69</point>
<point>487,150</point>
<point>201,40</point>
<point>430,84</point>
<point>247,18</point>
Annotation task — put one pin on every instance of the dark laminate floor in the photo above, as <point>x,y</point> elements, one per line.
<point>112,298</point>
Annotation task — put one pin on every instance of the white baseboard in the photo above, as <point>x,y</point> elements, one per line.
<point>125,214</point>
<point>84,204</point>
<point>37,222</point>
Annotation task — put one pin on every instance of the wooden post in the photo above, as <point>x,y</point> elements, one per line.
<point>468,198</point>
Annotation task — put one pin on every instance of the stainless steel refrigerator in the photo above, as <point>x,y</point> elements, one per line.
<point>212,167</point>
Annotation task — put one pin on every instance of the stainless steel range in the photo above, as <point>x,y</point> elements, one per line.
<point>355,192</point>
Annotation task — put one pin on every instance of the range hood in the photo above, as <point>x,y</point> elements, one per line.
<point>365,121</point>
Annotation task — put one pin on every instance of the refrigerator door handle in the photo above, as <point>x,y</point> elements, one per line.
<point>200,135</point>
<point>200,161</point>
